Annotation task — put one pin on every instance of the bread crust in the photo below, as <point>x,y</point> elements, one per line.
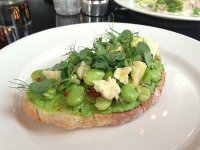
<point>69,121</point>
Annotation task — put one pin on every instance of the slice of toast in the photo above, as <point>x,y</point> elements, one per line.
<point>70,121</point>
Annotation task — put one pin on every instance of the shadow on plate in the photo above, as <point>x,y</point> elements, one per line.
<point>194,145</point>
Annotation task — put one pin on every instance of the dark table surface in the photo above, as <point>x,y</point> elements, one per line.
<point>43,16</point>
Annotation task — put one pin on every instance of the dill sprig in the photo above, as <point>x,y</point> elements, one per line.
<point>72,49</point>
<point>19,85</point>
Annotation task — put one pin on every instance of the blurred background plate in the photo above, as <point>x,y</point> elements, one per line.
<point>132,5</point>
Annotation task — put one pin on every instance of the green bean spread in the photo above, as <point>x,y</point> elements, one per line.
<point>120,72</point>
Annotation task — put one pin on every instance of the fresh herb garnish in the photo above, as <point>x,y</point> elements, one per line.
<point>107,54</point>
<point>43,86</point>
<point>143,48</point>
<point>86,55</point>
<point>19,85</point>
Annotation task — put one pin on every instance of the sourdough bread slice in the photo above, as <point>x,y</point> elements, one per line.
<point>70,121</point>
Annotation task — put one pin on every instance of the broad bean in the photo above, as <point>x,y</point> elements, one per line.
<point>144,94</point>
<point>76,95</point>
<point>129,93</point>
<point>71,87</point>
<point>155,75</point>
<point>102,103</point>
<point>147,76</point>
<point>51,91</point>
<point>91,75</point>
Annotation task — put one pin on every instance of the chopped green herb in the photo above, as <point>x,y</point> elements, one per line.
<point>41,87</point>
<point>144,50</point>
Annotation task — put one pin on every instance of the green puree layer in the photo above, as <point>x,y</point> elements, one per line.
<point>86,109</point>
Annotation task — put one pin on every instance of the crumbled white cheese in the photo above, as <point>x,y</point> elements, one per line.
<point>109,89</point>
<point>137,73</point>
<point>122,74</point>
<point>81,69</point>
<point>153,46</point>
<point>49,74</point>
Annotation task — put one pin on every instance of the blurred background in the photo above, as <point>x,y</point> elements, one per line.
<point>26,17</point>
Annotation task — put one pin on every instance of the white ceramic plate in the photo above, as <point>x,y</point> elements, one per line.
<point>173,123</point>
<point>132,5</point>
